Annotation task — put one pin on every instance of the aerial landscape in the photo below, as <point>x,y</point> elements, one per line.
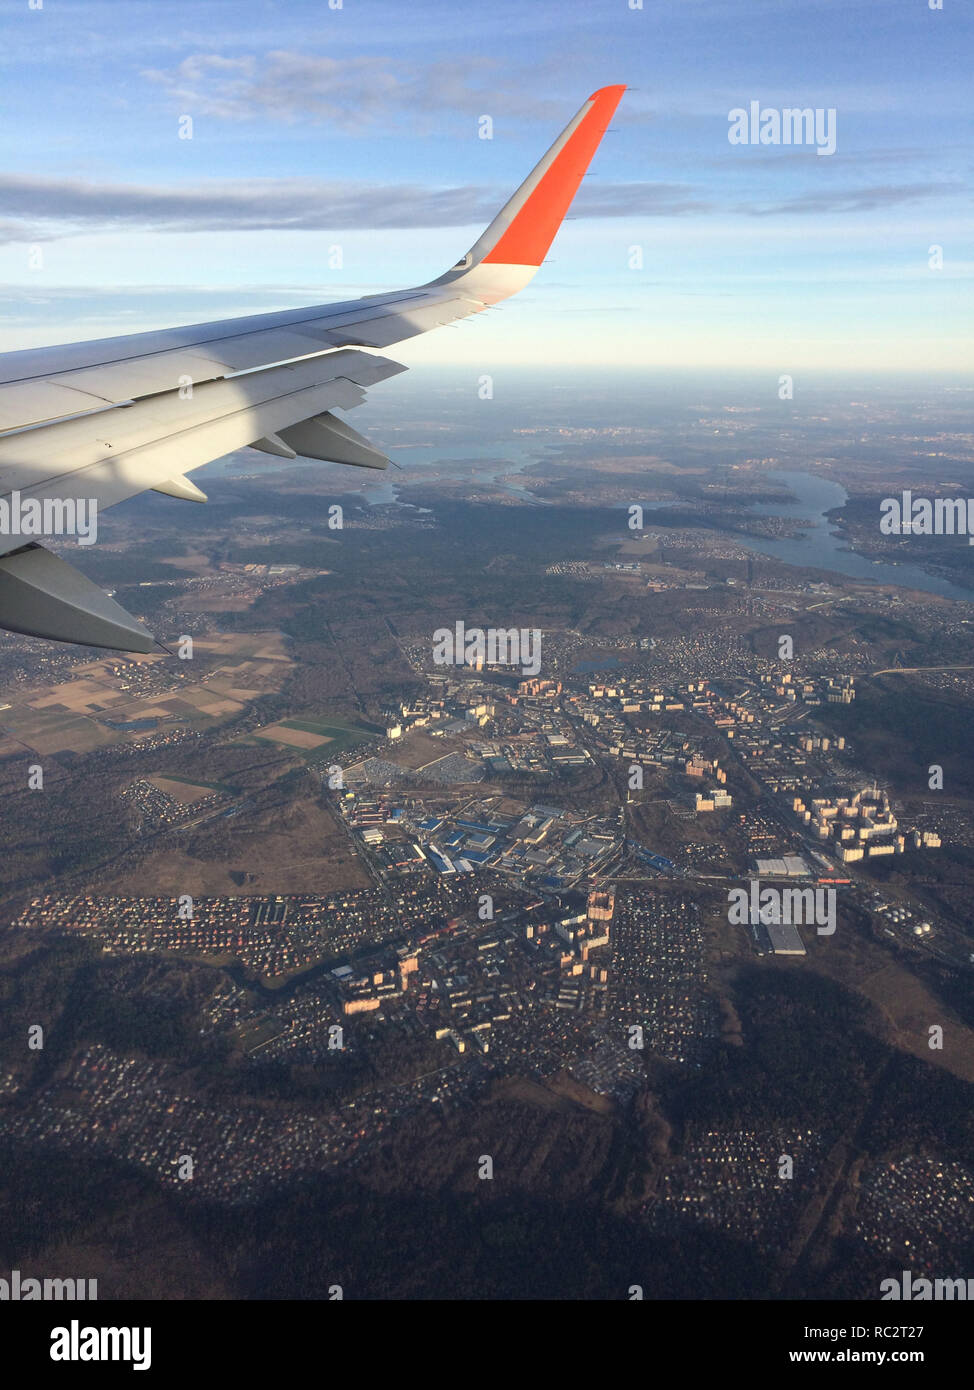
<point>538,870</point>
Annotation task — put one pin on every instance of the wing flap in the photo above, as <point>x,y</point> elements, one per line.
<point>143,376</point>
<point>30,402</point>
<point>327,438</point>
<point>116,454</point>
<point>43,596</point>
<point>181,488</point>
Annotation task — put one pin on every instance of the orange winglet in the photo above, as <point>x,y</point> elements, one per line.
<point>527,239</point>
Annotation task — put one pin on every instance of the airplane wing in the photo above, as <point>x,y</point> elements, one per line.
<point>87,425</point>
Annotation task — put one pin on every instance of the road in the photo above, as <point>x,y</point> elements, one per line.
<point>914,670</point>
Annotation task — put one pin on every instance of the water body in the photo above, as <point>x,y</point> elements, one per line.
<point>503,461</point>
<point>386,490</point>
<point>820,547</point>
<point>817,547</point>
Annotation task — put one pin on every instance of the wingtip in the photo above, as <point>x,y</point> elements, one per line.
<point>613,93</point>
<point>508,252</point>
<point>544,198</point>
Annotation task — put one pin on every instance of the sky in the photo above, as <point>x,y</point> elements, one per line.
<point>336,150</point>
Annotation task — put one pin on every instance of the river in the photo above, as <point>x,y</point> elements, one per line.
<point>820,547</point>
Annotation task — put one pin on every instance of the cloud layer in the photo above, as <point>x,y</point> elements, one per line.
<point>38,209</point>
<point>353,93</point>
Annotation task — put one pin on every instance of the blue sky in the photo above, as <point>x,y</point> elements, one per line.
<point>357,128</point>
